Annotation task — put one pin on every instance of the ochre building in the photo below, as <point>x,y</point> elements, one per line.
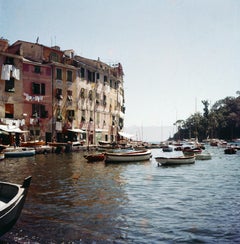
<point>56,95</point>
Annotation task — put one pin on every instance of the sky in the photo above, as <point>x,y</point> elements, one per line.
<point>175,53</point>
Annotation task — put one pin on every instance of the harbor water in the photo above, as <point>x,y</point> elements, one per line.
<point>73,201</point>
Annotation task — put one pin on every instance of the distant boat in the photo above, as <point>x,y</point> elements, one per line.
<point>12,198</point>
<point>95,157</point>
<point>230,150</point>
<point>167,149</point>
<point>203,156</point>
<point>192,151</point>
<point>175,160</point>
<point>12,152</point>
<point>128,156</point>
<point>35,143</point>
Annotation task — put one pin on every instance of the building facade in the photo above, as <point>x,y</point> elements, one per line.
<point>58,95</point>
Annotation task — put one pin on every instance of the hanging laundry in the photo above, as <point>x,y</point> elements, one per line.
<point>6,69</point>
<point>16,73</point>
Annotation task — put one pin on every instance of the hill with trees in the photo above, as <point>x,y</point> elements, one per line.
<point>222,121</point>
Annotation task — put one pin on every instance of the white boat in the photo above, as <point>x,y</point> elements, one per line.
<point>203,156</point>
<point>12,198</point>
<point>128,156</point>
<point>19,152</point>
<point>175,160</point>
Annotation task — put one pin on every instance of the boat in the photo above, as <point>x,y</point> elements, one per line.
<point>95,157</point>
<point>128,156</point>
<point>203,156</point>
<point>12,198</point>
<point>175,160</point>
<point>230,150</point>
<point>35,143</point>
<point>191,151</point>
<point>167,149</point>
<point>11,152</point>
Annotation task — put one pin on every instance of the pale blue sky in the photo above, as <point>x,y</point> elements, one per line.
<point>175,53</point>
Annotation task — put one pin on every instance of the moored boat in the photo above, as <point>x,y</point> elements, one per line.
<point>175,160</point>
<point>35,143</point>
<point>12,198</point>
<point>11,152</point>
<point>203,156</point>
<point>95,157</point>
<point>128,156</point>
<point>230,150</point>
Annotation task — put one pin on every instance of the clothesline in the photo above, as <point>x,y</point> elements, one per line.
<point>6,72</point>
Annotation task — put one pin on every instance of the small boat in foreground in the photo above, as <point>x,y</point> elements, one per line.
<point>12,152</point>
<point>175,160</point>
<point>12,198</point>
<point>95,157</point>
<point>128,156</point>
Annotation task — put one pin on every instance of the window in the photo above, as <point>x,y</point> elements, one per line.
<point>9,110</point>
<point>69,75</point>
<point>9,85</point>
<point>69,95</point>
<point>82,72</point>
<point>104,100</point>
<point>9,60</point>
<point>82,93</point>
<point>91,76</point>
<point>90,95</point>
<point>70,114</point>
<point>37,69</point>
<point>54,57</point>
<point>59,74</point>
<point>38,110</point>
<point>59,93</point>
<point>38,88</point>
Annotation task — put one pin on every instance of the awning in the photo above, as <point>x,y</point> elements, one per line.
<point>12,129</point>
<point>124,134</point>
<point>77,130</point>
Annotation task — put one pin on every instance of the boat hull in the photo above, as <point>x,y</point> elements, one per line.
<point>19,152</point>
<point>203,156</point>
<point>133,156</point>
<point>12,198</point>
<point>95,157</point>
<point>175,160</point>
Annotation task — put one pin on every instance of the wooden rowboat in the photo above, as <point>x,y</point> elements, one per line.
<point>12,198</point>
<point>128,156</point>
<point>95,157</point>
<point>175,160</point>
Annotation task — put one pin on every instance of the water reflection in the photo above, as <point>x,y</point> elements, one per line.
<point>73,201</point>
<point>68,196</point>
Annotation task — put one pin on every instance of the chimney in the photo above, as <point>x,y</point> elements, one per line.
<point>3,44</point>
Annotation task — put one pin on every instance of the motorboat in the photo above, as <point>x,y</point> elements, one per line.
<point>12,198</point>
<point>179,160</point>
<point>128,156</point>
